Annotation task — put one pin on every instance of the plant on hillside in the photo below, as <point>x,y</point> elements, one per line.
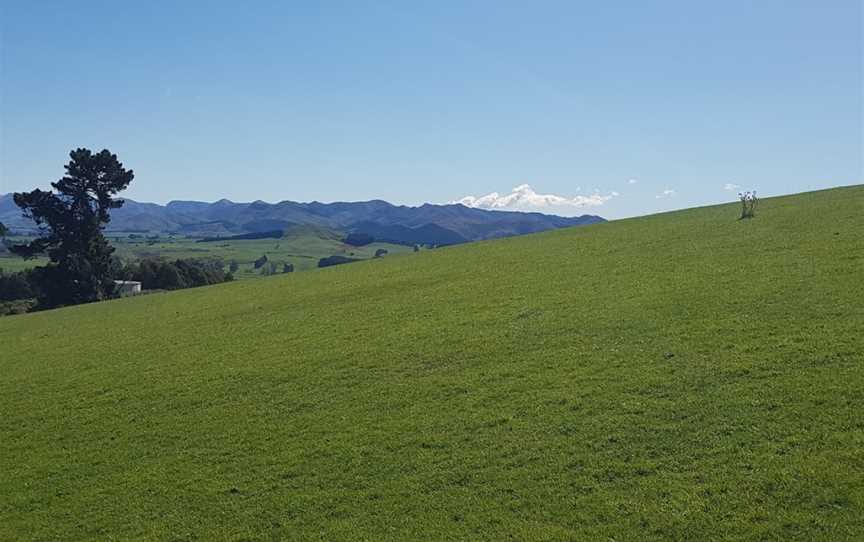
<point>71,219</point>
<point>268,269</point>
<point>748,204</point>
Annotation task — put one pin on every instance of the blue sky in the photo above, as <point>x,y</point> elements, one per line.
<point>415,101</point>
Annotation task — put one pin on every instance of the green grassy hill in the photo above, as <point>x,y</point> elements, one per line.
<point>680,376</point>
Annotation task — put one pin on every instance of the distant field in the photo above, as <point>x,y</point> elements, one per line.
<point>11,263</point>
<point>301,246</point>
<point>683,376</point>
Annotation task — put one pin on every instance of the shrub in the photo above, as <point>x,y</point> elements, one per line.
<point>15,286</point>
<point>748,204</point>
<point>168,277</point>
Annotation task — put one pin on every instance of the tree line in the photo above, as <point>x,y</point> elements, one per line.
<point>174,275</point>
<point>71,220</point>
<point>153,274</point>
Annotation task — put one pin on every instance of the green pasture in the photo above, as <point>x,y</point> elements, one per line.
<point>683,376</point>
<point>301,246</point>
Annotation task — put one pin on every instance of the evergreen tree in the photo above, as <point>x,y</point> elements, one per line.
<point>71,220</point>
<point>259,263</point>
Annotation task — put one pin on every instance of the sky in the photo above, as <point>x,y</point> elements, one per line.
<point>612,108</point>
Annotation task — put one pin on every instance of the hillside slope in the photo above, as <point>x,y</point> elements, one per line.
<point>678,376</point>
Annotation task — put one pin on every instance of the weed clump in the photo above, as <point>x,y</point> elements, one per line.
<point>748,204</point>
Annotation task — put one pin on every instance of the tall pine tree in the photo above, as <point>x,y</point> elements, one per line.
<point>71,220</point>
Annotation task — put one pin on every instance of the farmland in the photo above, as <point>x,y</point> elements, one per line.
<point>301,246</point>
<point>679,376</point>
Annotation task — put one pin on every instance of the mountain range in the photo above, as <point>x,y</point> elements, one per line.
<point>426,224</point>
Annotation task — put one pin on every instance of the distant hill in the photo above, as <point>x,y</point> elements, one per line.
<point>682,376</point>
<point>427,224</point>
<point>428,234</point>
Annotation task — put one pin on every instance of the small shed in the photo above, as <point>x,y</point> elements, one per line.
<point>127,287</point>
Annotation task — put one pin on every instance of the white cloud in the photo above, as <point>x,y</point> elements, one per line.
<point>632,181</point>
<point>524,198</point>
<point>731,187</point>
<point>668,193</point>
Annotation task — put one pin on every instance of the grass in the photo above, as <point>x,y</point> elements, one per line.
<point>680,376</point>
<point>12,264</point>
<point>302,246</point>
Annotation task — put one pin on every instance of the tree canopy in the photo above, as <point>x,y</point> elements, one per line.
<point>71,219</point>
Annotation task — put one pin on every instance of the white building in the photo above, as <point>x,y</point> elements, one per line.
<point>127,287</point>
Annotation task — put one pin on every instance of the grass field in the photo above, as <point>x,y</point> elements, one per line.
<point>13,264</point>
<point>301,246</point>
<point>683,376</point>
